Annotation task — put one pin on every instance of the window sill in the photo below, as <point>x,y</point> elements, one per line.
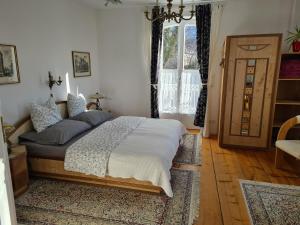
<point>186,114</point>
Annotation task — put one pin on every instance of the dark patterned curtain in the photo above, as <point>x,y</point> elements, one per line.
<point>203,19</point>
<point>157,27</point>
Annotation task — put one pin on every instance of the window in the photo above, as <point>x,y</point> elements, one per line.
<point>179,80</point>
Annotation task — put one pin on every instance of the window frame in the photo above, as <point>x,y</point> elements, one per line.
<point>180,59</point>
<point>181,41</point>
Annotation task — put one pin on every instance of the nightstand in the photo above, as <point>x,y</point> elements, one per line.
<point>18,169</point>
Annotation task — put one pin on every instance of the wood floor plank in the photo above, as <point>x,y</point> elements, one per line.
<point>210,211</point>
<point>225,183</point>
<point>276,175</point>
<point>247,169</point>
<point>221,200</point>
<point>235,168</point>
<point>259,172</point>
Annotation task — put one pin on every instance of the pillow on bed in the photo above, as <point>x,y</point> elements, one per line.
<point>58,134</point>
<point>45,115</point>
<point>76,104</point>
<point>51,104</point>
<point>93,117</point>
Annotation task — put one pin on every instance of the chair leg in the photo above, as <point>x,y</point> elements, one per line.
<point>279,158</point>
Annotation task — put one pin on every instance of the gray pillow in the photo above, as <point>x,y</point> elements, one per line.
<point>58,134</point>
<point>93,117</point>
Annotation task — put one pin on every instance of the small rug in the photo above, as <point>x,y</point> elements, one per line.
<point>188,151</point>
<point>61,203</point>
<point>272,204</point>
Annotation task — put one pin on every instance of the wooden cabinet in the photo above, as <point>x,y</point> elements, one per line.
<point>18,168</point>
<point>248,90</point>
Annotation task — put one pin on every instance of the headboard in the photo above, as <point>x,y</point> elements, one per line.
<point>25,124</point>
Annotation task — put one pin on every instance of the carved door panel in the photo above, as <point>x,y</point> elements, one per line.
<point>248,90</point>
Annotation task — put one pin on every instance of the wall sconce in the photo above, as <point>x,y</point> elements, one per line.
<point>51,81</point>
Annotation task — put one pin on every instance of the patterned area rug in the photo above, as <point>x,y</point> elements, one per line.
<point>188,151</point>
<point>61,203</point>
<point>272,204</point>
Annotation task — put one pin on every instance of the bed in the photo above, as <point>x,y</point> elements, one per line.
<point>141,161</point>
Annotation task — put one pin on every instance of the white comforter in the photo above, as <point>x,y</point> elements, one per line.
<point>90,154</point>
<point>147,153</point>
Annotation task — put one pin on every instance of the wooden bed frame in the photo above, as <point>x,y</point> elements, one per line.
<point>53,168</point>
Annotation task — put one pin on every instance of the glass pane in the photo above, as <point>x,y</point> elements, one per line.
<point>190,90</point>
<point>190,47</point>
<point>168,95</point>
<point>170,47</point>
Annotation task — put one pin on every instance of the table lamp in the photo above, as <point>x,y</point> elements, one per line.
<point>7,130</point>
<point>97,97</point>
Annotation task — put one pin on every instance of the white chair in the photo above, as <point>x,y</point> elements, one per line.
<point>283,146</point>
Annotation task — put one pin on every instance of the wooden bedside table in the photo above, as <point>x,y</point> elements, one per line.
<point>18,169</point>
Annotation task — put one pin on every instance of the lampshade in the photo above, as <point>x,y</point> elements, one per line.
<point>7,130</point>
<point>97,96</point>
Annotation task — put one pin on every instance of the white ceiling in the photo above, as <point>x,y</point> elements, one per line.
<point>128,3</point>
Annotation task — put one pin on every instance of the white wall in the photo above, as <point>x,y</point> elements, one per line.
<point>124,62</point>
<point>124,75</point>
<point>45,32</point>
<point>250,17</point>
<point>121,34</point>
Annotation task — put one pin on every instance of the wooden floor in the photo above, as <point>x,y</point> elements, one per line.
<point>221,201</point>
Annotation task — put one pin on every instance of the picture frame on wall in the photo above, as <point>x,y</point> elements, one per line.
<point>9,67</point>
<point>81,64</point>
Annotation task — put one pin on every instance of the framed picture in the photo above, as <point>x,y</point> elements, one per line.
<point>81,64</point>
<point>9,68</point>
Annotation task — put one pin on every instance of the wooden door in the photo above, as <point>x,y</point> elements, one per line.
<point>248,90</point>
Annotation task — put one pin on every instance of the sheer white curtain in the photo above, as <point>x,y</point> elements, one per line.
<point>179,94</point>
<point>168,91</point>
<point>215,57</point>
<point>179,80</point>
<point>190,89</point>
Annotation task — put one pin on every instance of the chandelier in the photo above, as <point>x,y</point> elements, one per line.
<point>169,14</point>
